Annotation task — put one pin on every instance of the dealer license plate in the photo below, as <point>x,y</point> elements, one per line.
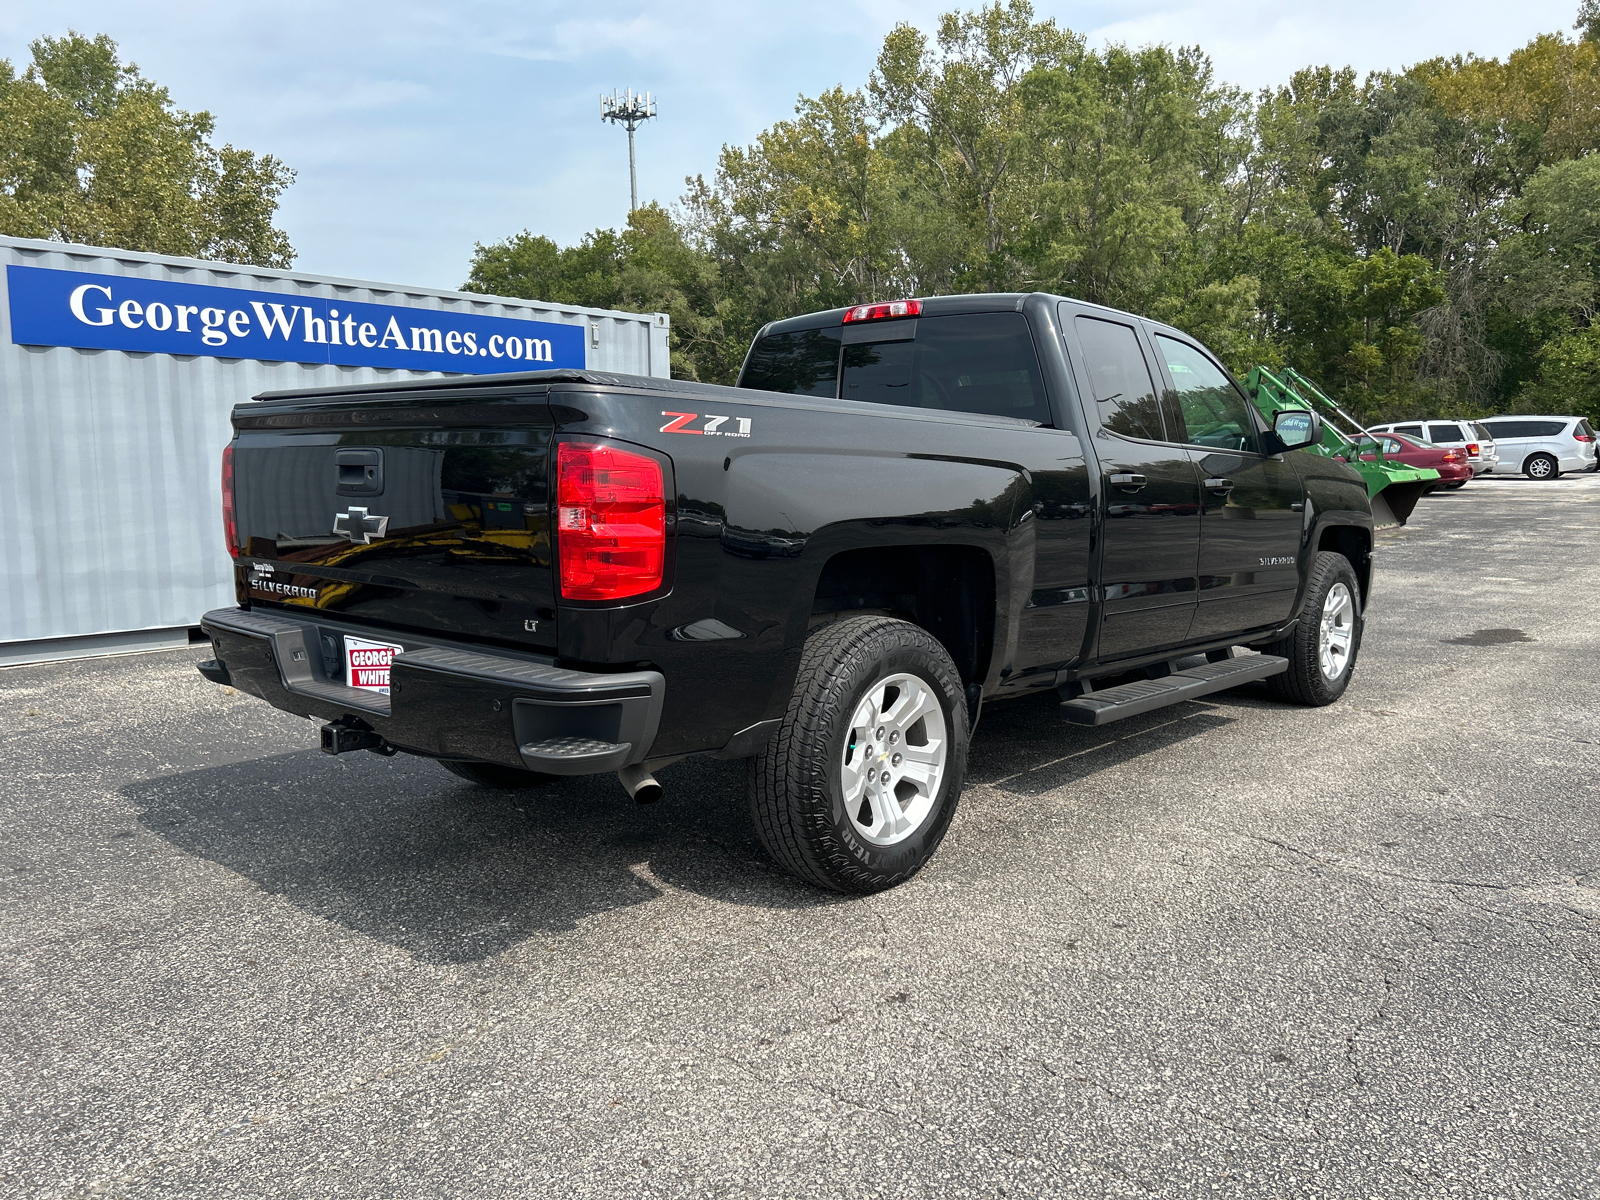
<point>366,663</point>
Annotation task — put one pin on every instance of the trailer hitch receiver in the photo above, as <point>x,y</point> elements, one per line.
<point>352,733</point>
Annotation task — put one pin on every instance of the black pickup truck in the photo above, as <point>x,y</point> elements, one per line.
<point>903,512</point>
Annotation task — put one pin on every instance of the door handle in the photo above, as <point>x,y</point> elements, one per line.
<point>1220,485</point>
<point>1128,480</point>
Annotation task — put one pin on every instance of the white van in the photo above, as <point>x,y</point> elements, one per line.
<point>1471,436</point>
<point>1543,447</point>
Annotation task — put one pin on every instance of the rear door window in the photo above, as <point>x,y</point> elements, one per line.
<point>1409,430</point>
<point>1445,433</point>
<point>1507,429</point>
<point>1119,379</point>
<point>804,363</point>
<point>1211,408</point>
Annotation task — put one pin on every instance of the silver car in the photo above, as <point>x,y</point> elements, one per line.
<point>1543,447</point>
<point>1472,436</point>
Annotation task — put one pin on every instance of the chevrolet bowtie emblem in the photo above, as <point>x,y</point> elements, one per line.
<point>359,525</point>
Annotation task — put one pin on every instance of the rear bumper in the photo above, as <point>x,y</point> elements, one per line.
<point>446,700</point>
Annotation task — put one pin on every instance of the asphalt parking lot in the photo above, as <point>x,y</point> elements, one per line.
<point>1230,948</point>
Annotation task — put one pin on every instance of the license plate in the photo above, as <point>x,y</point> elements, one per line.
<point>366,663</point>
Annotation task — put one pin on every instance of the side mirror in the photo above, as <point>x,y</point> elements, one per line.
<point>1297,428</point>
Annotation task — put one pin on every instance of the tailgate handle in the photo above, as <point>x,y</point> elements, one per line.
<point>360,472</point>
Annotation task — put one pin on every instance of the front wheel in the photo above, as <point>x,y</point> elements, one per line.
<point>856,789</point>
<point>1322,647</point>
<point>1542,466</point>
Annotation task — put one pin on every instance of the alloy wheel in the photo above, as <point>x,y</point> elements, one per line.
<point>894,759</point>
<point>1338,631</point>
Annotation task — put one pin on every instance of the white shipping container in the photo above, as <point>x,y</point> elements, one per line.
<point>109,457</point>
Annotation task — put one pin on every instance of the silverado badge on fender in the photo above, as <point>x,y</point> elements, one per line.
<point>360,526</point>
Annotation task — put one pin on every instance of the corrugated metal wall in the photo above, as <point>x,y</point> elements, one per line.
<point>109,483</point>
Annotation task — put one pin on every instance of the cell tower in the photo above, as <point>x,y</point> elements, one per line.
<point>630,111</point>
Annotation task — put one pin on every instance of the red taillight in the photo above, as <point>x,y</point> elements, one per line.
<point>611,522</point>
<point>1472,448</point>
<point>882,312</point>
<point>230,528</point>
<point>1584,437</point>
<point>1453,456</point>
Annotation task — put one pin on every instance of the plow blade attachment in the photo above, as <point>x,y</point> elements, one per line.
<point>1393,505</point>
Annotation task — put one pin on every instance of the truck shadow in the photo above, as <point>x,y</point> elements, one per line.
<point>1025,748</point>
<point>401,851</point>
<point>398,850</point>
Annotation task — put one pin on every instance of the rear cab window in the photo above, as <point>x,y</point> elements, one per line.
<point>804,363</point>
<point>973,363</point>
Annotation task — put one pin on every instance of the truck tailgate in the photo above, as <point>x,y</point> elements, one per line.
<point>414,515</point>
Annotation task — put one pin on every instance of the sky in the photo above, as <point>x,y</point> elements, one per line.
<point>418,129</point>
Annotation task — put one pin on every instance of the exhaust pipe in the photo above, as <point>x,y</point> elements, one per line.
<point>641,785</point>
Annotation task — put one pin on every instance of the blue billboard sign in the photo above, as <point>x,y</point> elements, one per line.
<point>159,316</point>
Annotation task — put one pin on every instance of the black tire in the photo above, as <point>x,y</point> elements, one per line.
<point>797,798</point>
<point>1456,486</point>
<point>495,776</point>
<point>1304,682</point>
<point>1541,467</point>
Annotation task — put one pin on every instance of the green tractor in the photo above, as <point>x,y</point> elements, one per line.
<point>1393,487</point>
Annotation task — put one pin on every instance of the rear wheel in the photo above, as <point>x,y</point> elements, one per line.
<point>1542,466</point>
<point>1322,647</point>
<point>856,789</point>
<point>496,776</point>
<point>1460,483</point>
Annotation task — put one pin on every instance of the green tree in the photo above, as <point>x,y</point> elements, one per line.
<point>91,151</point>
<point>650,266</point>
<point>1589,20</point>
<point>961,137</point>
<point>1134,150</point>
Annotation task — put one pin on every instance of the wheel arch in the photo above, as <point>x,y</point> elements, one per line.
<point>1355,543</point>
<point>948,589</point>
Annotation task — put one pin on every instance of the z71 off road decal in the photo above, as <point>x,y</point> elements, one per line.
<point>713,424</point>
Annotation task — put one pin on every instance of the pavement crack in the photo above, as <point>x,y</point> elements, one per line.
<point>1354,869</point>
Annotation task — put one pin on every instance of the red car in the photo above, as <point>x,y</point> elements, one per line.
<point>1452,463</point>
